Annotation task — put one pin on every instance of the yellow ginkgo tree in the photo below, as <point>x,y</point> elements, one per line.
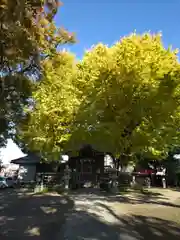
<point>47,126</point>
<point>122,99</point>
<point>131,97</point>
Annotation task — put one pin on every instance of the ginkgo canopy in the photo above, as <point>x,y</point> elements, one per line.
<point>122,99</point>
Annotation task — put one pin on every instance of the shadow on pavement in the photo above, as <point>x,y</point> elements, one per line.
<point>127,228</point>
<point>55,217</point>
<point>24,216</point>
<point>128,198</point>
<point>100,226</point>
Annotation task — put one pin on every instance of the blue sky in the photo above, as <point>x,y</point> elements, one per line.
<point>106,21</point>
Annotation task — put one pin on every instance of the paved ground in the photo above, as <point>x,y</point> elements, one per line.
<point>86,215</point>
<point>24,216</point>
<point>132,216</point>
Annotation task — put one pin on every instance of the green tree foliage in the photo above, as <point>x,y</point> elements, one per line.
<point>122,99</point>
<point>28,30</point>
<point>28,36</point>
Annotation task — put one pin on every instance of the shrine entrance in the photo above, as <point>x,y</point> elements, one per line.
<point>86,170</point>
<point>88,165</point>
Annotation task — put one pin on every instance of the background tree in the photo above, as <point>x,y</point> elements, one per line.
<point>28,35</point>
<point>47,127</point>
<point>172,163</point>
<point>28,32</point>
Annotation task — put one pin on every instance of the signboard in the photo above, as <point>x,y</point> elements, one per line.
<point>64,158</point>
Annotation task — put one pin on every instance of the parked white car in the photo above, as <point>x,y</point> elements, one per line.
<point>7,182</point>
<point>3,183</point>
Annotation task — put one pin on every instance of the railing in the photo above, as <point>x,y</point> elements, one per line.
<point>49,178</point>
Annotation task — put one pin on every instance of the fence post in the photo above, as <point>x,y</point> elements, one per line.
<point>164,182</point>
<point>67,172</point>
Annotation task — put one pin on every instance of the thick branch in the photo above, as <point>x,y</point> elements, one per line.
<point>128,130</point>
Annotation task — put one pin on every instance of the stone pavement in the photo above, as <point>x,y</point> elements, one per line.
<point>95,217</point>
<point>89,214</point>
